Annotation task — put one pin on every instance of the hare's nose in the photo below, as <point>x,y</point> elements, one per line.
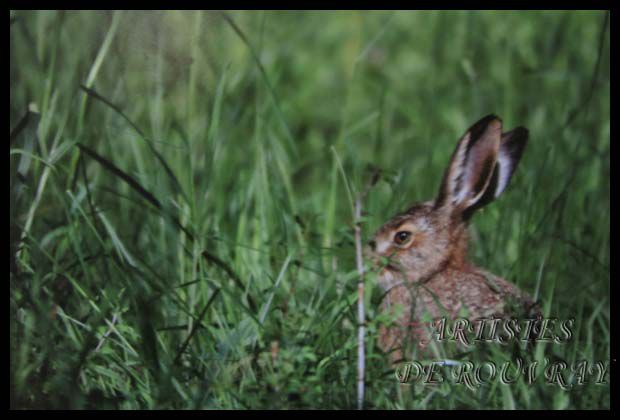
<point>372,244</point>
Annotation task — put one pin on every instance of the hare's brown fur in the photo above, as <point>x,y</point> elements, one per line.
<point>428,273</point>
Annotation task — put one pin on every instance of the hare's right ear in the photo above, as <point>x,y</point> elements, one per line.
<point>510,150</point>
<point>472,168</point>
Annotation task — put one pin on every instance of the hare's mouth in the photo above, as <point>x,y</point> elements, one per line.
<point>392,268</point>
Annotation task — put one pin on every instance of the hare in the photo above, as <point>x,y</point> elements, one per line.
<point>425,246</point>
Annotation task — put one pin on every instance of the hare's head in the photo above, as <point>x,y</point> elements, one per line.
<point>430,236</point>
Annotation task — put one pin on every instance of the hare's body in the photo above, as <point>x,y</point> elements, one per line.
<point>426,271</point>
<point>453,293</point>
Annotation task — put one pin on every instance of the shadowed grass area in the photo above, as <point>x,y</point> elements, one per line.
<point>181,227</point>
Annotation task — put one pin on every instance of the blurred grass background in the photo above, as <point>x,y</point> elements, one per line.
<point>141,139</point>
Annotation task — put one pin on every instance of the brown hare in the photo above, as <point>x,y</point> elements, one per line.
<point>424,249</point>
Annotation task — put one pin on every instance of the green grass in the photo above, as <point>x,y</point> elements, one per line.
<point>236,137</point>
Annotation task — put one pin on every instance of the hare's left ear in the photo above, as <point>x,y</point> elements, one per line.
<point>480,167</point>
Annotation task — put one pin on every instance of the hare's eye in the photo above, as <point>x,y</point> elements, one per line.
<point>401,237</point>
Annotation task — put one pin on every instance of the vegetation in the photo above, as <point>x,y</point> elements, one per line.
<point>181,185</point>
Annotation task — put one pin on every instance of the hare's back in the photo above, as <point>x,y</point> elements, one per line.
<point>472,293</point>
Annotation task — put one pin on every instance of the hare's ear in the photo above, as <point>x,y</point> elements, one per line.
<point>472,168</point>
<point>510,150</point>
